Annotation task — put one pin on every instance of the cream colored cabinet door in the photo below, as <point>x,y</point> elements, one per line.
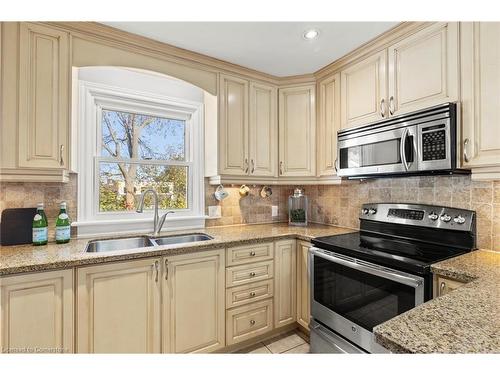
<point>263,130</point>
<point>303,294</point>
<point>480,50</point>
<point>364,91</point>
<point>423,69</point>
<point>119,307</point>
<point>443,285</point>
<point>44,97</point>
<point>194,303</point>
<point>36,313</point>
<point>285,283</point>
<point>329,124</point>
<point>233,126</point>
<point>297,131</point>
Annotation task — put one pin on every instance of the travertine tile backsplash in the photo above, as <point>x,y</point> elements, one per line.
<point>340,204</point>
<point>329,204</point>
<point>28,194</point>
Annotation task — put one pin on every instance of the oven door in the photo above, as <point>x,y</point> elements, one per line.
<point>351,296</point>
<point>386,152</point>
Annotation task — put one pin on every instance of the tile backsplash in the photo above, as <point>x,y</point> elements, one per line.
<point>28,194</point>
<point>340,204</point>
<point>328,204</point>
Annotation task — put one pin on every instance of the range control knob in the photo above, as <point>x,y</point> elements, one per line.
<point>372,211</point>
<point>433,216</point>
<point>459,219</point>
<point>445,217</point>
<point>364,211</point>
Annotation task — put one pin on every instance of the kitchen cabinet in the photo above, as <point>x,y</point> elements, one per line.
<point>193,302</point>
<point>285,282</point>
<point>364,91</point>
<point>36,313</point>
<point>480,64</point>
<point>444,285</point>
<point>246,322</point>
<point>247,128</point>
<point>119,307</point>
<point>423,69</point>
<point>328,125</point>
<point>233,126</point>
<point>263,130</point>
<point>303,294</point>
<point>36,116</point>
<point>297,131</point>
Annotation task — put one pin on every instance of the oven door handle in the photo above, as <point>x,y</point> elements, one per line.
<point>402,148</point>
<point>373,269</point>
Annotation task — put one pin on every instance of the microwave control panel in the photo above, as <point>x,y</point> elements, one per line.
<point>434,143</point>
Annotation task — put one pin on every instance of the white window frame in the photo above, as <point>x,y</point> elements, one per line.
<point>92,99</point>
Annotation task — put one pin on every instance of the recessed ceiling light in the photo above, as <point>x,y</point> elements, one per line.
<point>310,34</point>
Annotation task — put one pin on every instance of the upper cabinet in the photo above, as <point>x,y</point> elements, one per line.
<point>263,130</point>
<point>247,128</point>
<point>41,119</point>
<point>480,64</point>
<point>423,69</point>
<point>363,91</point>
<point>233,126</point>
<point>297,131</point>
<point>414,73</point>
<point>328,124</point>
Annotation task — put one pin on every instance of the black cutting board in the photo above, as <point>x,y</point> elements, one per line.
<point>16,226</point>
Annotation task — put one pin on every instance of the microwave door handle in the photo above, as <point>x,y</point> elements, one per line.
<point>402,148</point>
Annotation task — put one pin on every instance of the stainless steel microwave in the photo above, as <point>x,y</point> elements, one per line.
<point>418,143</point>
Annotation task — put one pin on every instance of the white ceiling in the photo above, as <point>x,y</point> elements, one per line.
<point>277,48</point>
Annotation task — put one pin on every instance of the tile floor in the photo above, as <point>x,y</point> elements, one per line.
<point>288,343</point>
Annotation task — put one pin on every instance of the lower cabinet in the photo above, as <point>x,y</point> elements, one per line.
<point>171,305</point>
<point>444,285</point>
<point>36,313</point>
<point>243,323</point>
<point>285,282</point>
<point>119,307</point>
<point>193,302</point>
<point>303,295</point>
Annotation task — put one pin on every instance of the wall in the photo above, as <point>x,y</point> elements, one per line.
<point>340,204</point>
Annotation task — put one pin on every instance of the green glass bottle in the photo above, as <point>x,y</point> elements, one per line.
<point>63,225</point>
<point>40,227</point>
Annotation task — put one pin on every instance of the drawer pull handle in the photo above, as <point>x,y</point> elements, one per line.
<point>252,253</point>
<point>252,294</point>
<point>252,322</point>
<point>252,274</point>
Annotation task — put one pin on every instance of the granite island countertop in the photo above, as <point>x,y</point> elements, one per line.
<point>28,258</point>
<point>466,320</point>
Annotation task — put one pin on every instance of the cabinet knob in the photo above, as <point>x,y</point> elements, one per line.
<point>252,322</point>
<point>252,274</point>
<point>442,287</point>
<point>252,253</point>
<point>252,294</point>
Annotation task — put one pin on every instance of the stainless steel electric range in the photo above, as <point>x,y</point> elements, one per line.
<point>362,279</point>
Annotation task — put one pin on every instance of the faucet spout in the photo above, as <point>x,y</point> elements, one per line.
<point>157,222</point>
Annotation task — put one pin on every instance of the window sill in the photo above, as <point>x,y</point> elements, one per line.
<point>136,226</point>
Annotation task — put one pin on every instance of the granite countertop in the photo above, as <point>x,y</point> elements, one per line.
<point>467,320</point>
<point>28,258</point>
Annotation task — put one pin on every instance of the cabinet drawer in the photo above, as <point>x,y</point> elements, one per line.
<point>249,253</point>
<point>243,323</point>
<point>249,273</point>
<point>253,292</point>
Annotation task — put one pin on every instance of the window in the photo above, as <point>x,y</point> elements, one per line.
<point>134,142</point>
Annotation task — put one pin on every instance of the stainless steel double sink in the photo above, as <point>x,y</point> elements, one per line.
<point>116,244</point>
